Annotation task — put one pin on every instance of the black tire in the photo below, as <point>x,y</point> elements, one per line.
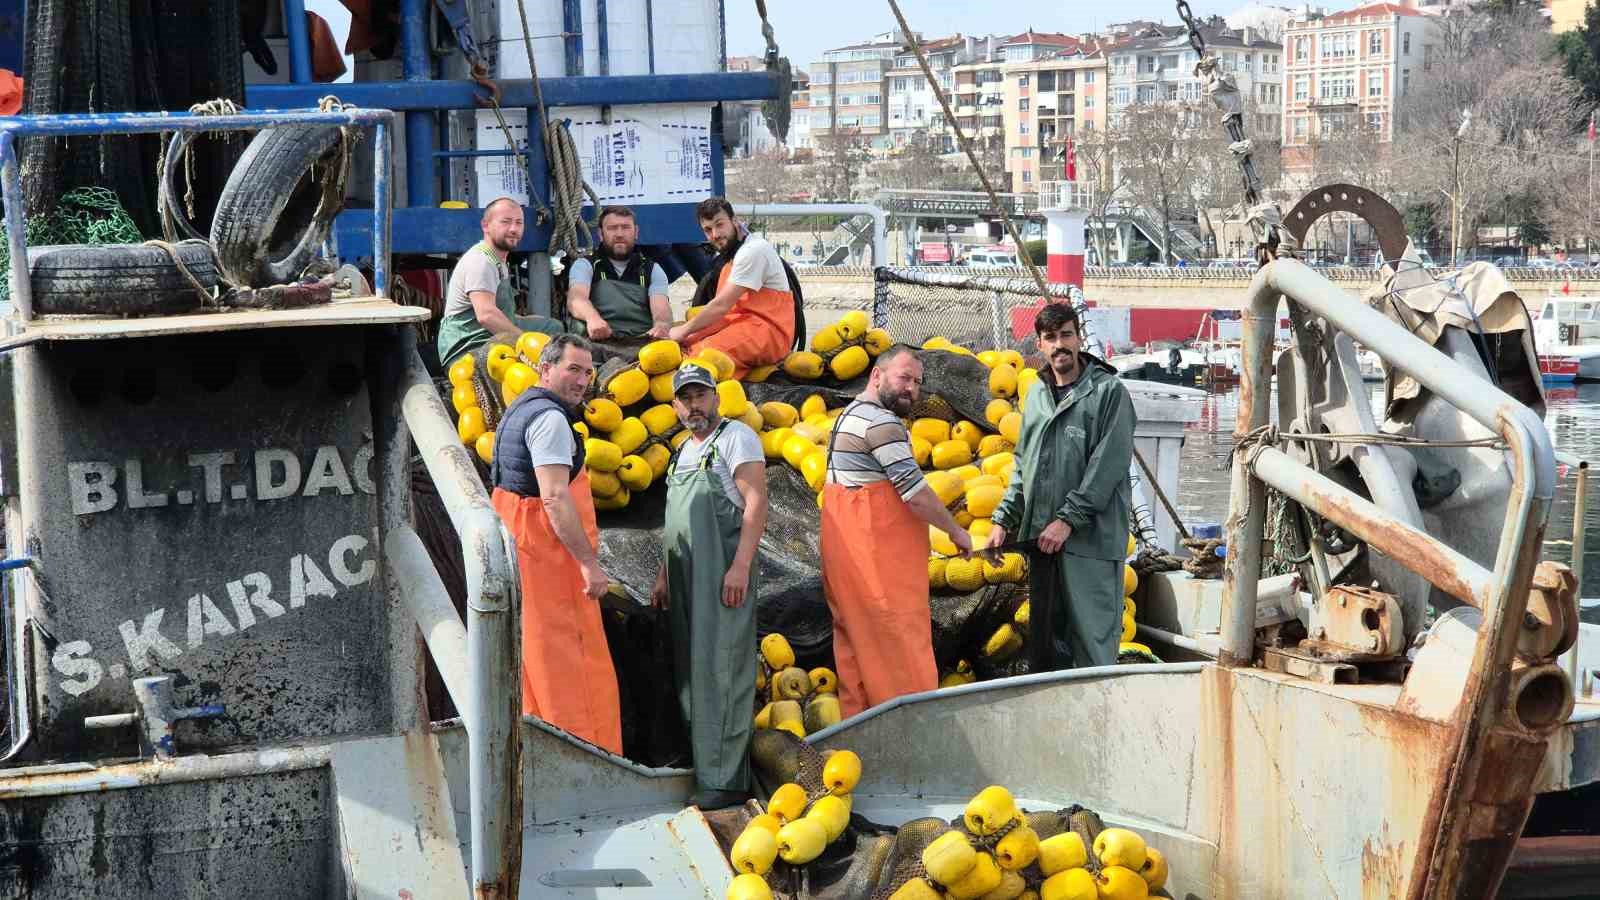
<point>270,218</point>
<point>118,279</point>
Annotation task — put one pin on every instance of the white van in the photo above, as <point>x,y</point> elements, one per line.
<point>992,259</point>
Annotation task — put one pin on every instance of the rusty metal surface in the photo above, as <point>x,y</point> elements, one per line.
<point>1551,625</point>
<point>266,836</point>
<point>204,506</point>
<point>1370,207</point>
<point>1363,620</point>
<point>398,832</point>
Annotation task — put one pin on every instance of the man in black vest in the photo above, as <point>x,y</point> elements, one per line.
<point>620,294</point>
<point>541,490</point>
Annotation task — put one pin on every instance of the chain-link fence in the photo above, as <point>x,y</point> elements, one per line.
<point>975,311</point>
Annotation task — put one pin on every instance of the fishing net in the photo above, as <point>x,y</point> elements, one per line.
<point>89,215</point>
<point>973,311</point>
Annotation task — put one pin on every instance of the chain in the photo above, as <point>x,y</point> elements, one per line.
<point>775,111</point>
<point>1196,39</point>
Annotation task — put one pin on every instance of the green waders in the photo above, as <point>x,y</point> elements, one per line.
<point>461,332</point>
<point>714,647</point>
<point>1076,617</point>
<point>625,305</point>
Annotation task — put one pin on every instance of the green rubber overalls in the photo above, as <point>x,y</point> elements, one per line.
<point>460,332</point>
<point>714,647</point>
<point>623,303</point>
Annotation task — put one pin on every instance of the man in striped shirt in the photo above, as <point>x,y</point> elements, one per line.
<point>876,509</point>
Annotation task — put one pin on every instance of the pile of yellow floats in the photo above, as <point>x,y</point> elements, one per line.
<point>797,826</point>
<point>790,698</point>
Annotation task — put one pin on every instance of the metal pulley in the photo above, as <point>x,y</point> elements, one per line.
<point>776,111</point>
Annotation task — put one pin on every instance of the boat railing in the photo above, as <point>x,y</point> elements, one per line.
<point>1501,594</point>
<point>380,121</point>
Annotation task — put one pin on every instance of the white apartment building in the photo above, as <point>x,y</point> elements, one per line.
<point>1156,64</point>
<point>1347,71</point>
<point>913,106</point>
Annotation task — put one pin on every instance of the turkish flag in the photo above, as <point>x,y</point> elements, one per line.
<point>1566,286</point>
<point>1591,128</point>
<point>1072,158</point>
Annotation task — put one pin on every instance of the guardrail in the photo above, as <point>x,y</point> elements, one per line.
<point>1239,276</point>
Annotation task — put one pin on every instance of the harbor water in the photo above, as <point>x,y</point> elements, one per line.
<point>1572,414</point>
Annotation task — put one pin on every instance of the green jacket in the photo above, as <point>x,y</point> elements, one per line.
<point>1072,464</point>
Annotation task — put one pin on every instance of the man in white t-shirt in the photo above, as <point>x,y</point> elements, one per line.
<point>716,511</point>
<point>751,316</point>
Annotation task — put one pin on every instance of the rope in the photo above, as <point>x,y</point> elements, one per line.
<point>175,226</point>
<point>205,295</point>
<point>966,147</point>
<point>1268,435</point>
<point>568,189</point>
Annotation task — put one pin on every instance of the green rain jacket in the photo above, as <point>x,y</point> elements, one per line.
<point>1072,464</point>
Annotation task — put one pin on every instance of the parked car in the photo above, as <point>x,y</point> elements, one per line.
<point>992,259</point>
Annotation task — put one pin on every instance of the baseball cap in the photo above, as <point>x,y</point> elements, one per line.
<point>692,373</point>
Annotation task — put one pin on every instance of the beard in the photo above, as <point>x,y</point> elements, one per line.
<point>618,250</point>
<point>899,404</point>
<point>504,245</point>
<point>1064,362</point>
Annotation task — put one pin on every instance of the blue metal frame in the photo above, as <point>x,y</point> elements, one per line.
<point>381,121</point>
<point>294,25</point>
<point>572,34</point>
<point>709,87</point>
<point>422,127</point>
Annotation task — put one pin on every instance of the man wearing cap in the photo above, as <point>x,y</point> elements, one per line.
<point>541,491</point>
<point>716,511</point>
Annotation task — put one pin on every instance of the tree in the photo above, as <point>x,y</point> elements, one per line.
<point>842,159</point>
<point>1579,50</point>
<point>1156,144</point>
<point>1096,161</point>
<point>762,178</point>
<point>919,165</point>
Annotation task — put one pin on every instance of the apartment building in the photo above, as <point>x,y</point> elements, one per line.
<point>849,94</point>
<point>1155,64</point>
<point>980,93</point>
<point>745,126</point>
<point>913,105</point>
<point>1347,71</point>
<point>1047,100</point>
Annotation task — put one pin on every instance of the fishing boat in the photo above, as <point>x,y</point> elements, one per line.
<point>1568,334</point>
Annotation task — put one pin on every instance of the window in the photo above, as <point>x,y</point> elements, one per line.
<point>1375,121</point>
<point>1147,65</point>
<point>873,99</point>
<point>1027,153</point>
<point>1147,93</point>
<point>1119,96</point>
<point>901,85</point>
<point>1427,57</point>
<point>1027,176</point>
<point>906,62</point>
<point>1302,49</point>
<point>1269,63</point>
<point>1374,84</point>
<point>1302,87</point>
<point>1169,91</point>
<point>849,77</point>
<point>1300,130</point>
<point>1022,128</point>
<point>871,120</point>
<point>1088,78</point>
<point>849,121</point>
<point>1047,82</point>
<point>1169,62</point>
<point>821,99</point>
<point>1405,44</point>
<point>1336,86</point>
<point>823,120</point>
<point>1405,81</point>
<point>847,99</point>
<point>1339,46</point>
<point>1022,103</point>
<point>1121,64</point>
<point>822,78</point>
<point>1374,43</point>
<point>1088,101</point>
<point>1022,81</point>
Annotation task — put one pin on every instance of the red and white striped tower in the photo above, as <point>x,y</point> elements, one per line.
<point>1065,208</point>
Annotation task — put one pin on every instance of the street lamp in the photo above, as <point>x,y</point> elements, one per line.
<point>1455,194</point>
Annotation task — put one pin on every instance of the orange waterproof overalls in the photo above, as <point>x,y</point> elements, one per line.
<point>873,547</point>
<point>758,331</point>
<point>567,676</point>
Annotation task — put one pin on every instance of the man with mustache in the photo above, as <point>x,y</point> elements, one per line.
<point>479,301</point>
<point>716,511</point>
<point>751,316</point>
<point>876,509</point>
<point>541,491</point>
<point>1070,493</point>
<point>620,294</point>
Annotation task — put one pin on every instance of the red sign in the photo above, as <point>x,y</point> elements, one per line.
<point>931,252</point>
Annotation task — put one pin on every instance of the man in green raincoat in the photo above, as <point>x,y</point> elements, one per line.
<point>1070,493</point>
<point>716,511</point>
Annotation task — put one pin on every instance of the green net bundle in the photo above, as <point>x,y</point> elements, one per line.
<point>90,215</point>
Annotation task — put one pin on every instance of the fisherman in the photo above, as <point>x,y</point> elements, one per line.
<point>716,511</point>
<point>1070,494</point>
<point>479,301</point>
<point>751,317</point>
<point>541,490</point>
<point>876,509</point>
<point>625,295</point>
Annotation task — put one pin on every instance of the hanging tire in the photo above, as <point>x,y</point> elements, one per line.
<point>271,217</point>
<point>118,279</point>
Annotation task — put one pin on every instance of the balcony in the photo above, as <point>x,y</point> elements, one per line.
<point>1065,195</point>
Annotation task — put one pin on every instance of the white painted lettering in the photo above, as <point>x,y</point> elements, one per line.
<point>137,498</point>
<point>204,619</point>
<point>266,487</point>
<point>211,464</point>
<point>71,659</point>
<point>361,469</point>
<point>90,484</point>
<point>142,640</point>
<point>306,580</point>
<point>327,471</point>
<point>338,564</point>
<point>253,589</point>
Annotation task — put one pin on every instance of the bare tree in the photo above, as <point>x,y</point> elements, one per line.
<point>919,165</point>
<point>1096,160</point>
<point>762,178</point>
<point>842,159</point>
<point>1157,145</point>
